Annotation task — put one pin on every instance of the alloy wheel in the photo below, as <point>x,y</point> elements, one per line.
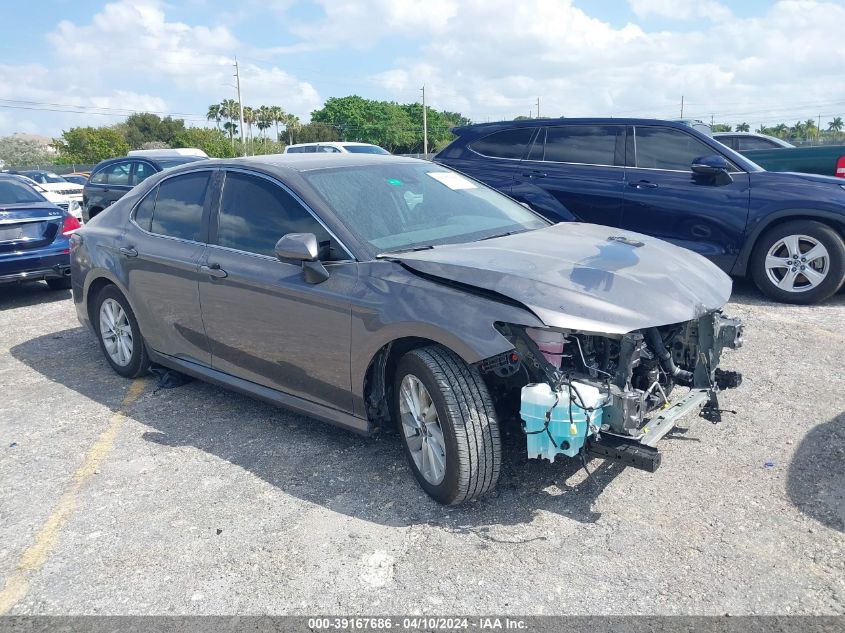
<point>116,332</point>
<point>423,433</point>
<point>797,263</point>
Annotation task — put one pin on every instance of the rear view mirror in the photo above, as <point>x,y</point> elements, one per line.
<point>301,247</point>
<point>715,166</point>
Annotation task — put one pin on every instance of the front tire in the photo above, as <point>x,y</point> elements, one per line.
<point>448,424</point>
<point>119,335</point>
<point>799,262</point>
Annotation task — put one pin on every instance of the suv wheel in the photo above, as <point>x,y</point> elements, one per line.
<point>119,335</point>
<point>448,424</point>
<point>799,262</point>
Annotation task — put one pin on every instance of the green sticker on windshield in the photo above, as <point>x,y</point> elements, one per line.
<point>394,181</point>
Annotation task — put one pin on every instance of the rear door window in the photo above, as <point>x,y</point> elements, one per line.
<point>142,172</point>
<point>505,144</point>
<point>179,206</point>
<point>144,211</point>
<point>586,144</point>
<point>118,174</point>
<point>746,143</point>
<point>667,148</point>
<point>255,213</point>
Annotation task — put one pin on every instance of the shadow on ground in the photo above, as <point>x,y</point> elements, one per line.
<point>816,479</point>
<point>746,293</point>
<point>362,477</point>
<point>29,294</point>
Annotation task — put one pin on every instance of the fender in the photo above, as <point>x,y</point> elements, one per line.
<point>759,225</point>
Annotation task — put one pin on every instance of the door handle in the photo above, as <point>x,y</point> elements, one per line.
<point>128,251</point>
<point>214,270</point>
<point>534,174</point>
<point>643,184</point>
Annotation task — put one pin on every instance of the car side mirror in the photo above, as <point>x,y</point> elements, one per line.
<point>303,247</point>
<point>714,166</point>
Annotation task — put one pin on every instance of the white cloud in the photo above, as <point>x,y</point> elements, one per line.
<point>681,9</point>
<point>128,54</point>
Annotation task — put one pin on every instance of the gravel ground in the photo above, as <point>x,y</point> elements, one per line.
<point>119,500</point>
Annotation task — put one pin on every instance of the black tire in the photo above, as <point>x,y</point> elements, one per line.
<point>59,283</point>
<point>823,234</point>
<point>467,418</point>
<point>139,361</point>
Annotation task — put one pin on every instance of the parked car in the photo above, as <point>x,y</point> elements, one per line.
<point>668,180</point>
<point>78,178</point>
<point>71,205</point>
<point>775,154</point>
<point>55,183</point>
<point>34,236</point>
<point>331,147</point>
<point>744,141</point>
<point>430,301</point>
<point>111,179</point>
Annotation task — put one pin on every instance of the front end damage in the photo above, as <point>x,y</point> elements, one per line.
<point>608,396</point>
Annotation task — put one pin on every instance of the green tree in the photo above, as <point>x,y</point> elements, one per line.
<point>249,120</point>
<point>214,114</point>
<point>720,127</point>
<point>292,126</point>
<point>20,152</point>
<point>230,110</point>
<point>743,127</point>
<point>90,144</point>
<point>264,119</point>
<point>212,141</point>
<point>835,126</point>
<point>278,116</point>
<point>780,130</point>
<point>146,127</point>
<point>315,132</point>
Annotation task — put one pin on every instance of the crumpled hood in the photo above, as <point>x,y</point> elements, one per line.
<point>572,276</point>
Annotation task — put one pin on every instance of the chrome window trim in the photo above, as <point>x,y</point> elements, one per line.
<point>293,194</point>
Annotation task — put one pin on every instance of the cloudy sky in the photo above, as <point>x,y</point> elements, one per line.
<point>89,62</point>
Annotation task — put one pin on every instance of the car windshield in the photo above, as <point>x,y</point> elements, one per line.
<point>14,192</point>
<point>49,177</point>
<point>402,206</point>
<point>167,163</point>
<point>365,149</point>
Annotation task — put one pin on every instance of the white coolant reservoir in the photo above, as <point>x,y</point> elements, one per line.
<point>552,427</point>
<point>550,344</point>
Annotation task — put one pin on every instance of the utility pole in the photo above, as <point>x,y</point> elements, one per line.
<point>240,106</point>
<point>425,124</point>
<point>712,120</point>
<point>682,106</point>
<point>538,107</point>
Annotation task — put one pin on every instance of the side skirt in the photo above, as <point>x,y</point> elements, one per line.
<point>271,396</point>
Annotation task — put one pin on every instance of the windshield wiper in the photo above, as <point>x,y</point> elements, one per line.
<point>405,250</point>
<point>492,237</point>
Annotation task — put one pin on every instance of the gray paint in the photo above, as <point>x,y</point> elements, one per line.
<point>265,331</point>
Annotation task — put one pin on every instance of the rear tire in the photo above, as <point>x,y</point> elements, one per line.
<point>118,333</point>
<point>467,446</point>
<point>778,273</point>
<point>59,283</point>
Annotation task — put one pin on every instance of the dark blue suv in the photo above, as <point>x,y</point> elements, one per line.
<point>668,180</point>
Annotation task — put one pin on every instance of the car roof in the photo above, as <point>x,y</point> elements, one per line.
<point>496,125</point>
<point>307,162</point>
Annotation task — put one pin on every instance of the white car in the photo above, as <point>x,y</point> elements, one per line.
<point>70,204</point>
<point>335,147</point>
<point>55,183</point>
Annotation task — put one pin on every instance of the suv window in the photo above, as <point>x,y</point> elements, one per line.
<point>667,148</point>
<point>588,144</point>
<point>255,213</point>
<point>115,174</point>
<point>504,144</point>
<point>749,142</point>
<point>142,172</point>
<point>178,208</point>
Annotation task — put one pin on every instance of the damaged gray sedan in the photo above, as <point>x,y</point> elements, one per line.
<point>370,291</point>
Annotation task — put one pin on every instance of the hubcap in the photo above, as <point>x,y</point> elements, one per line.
<point>116,332</point>
<point>797,263</point>
<point>421,426</point>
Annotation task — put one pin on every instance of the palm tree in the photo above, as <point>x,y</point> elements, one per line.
<point>214,114</point>
<point>780,130</point>
<point>835,126</point>
<point>291,125</point>
<point>232,129</point>
<point>810,128</point>
<point>278,116</point>
<point>249,120</point>
<point>743,127</point>
<point>230,109</point>
<point>265,120</point>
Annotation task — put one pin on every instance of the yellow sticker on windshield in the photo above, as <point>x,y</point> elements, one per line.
<point>452,180</point>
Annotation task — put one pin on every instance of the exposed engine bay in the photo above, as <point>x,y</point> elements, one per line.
<point>609,395</point>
